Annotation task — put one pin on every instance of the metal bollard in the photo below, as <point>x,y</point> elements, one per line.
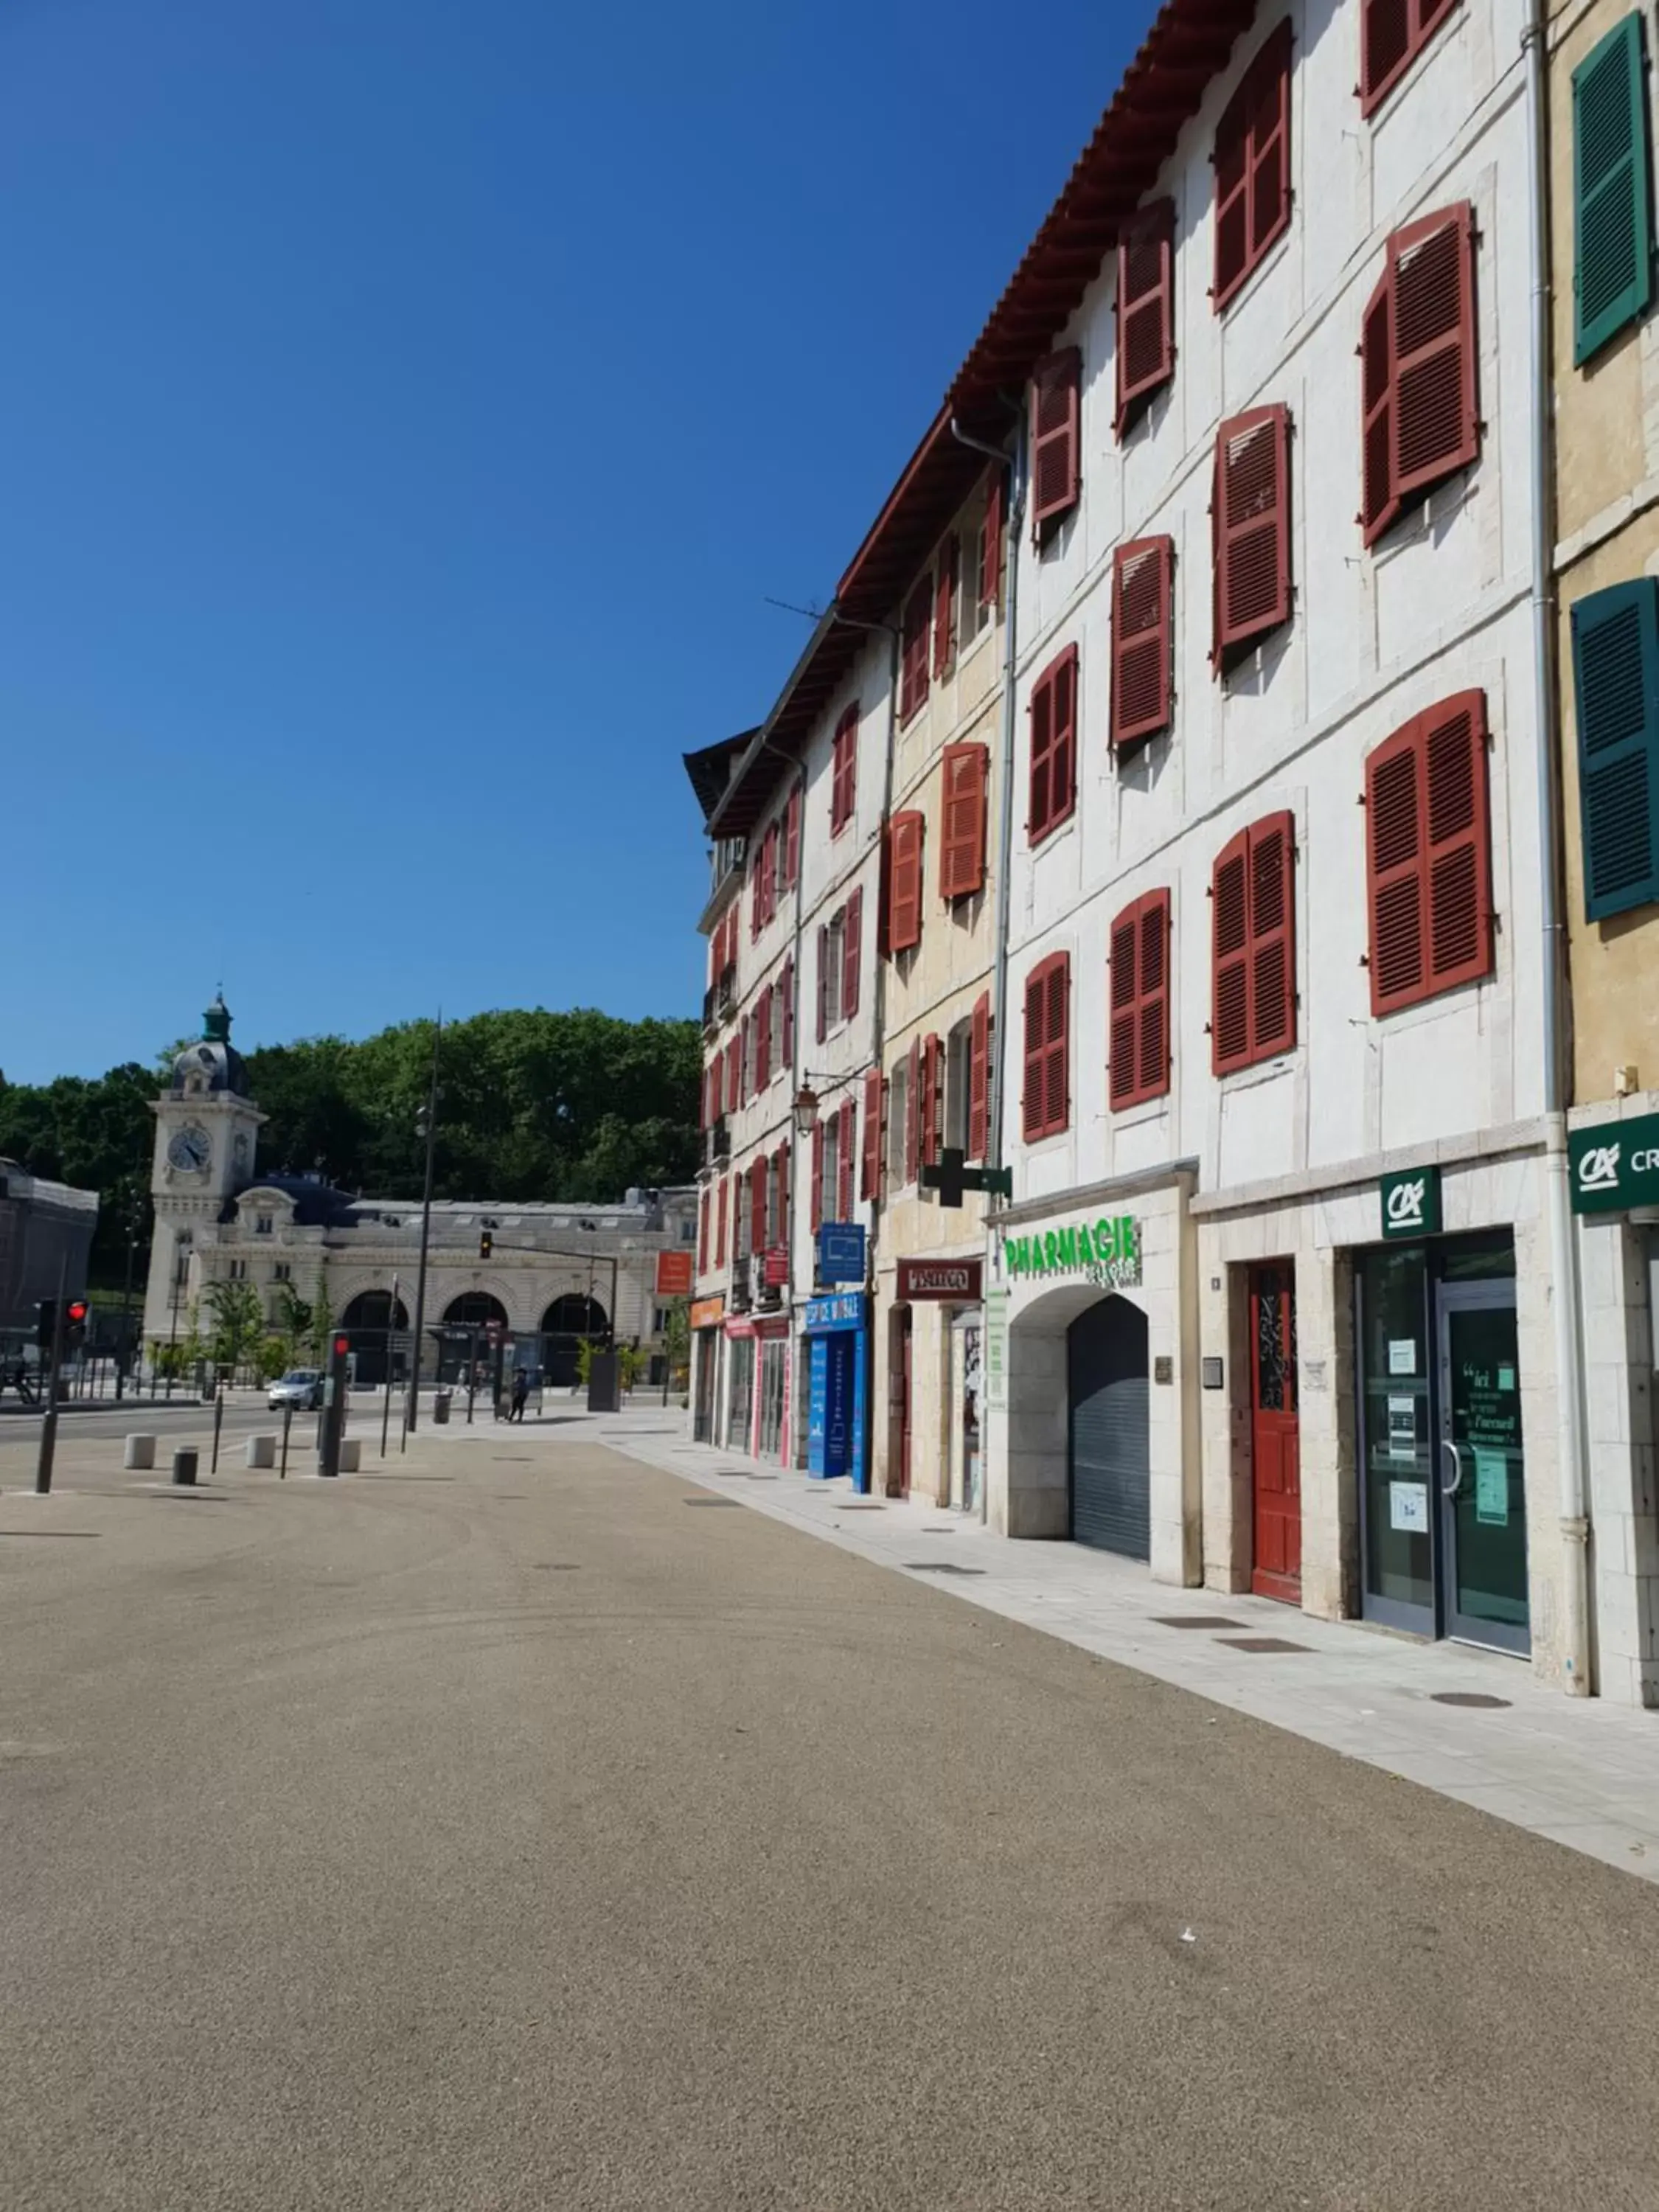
<point>184,1467</point>
<point>287,1423</point>
<point>218,1422</point>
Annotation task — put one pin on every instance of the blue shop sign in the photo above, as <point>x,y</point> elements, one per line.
<point>841,1252</point>
<point>844,1309</point>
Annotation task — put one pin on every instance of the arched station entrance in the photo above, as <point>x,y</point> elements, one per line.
<point>460,1334</point>
<point>565,1324</point>
<point>373,1327</point>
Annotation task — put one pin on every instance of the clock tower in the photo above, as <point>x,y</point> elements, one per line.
<point>205,1130</point>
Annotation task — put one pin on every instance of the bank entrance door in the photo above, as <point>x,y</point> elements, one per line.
<point>1275,1435</point>
<point>1483,1492</point>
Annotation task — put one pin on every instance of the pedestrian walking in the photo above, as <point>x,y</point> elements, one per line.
<point>520,1392</point>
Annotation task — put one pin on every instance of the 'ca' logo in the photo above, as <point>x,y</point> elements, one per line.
<point>1405,1205</point>
<point>1599,1170</point>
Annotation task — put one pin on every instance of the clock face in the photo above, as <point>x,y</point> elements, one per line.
<point>191,1149</point>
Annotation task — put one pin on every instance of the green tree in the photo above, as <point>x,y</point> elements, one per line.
<point>237,1323</point>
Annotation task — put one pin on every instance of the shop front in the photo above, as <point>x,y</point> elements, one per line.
<point>706,1317</point>
<point>757,1384</point>
<point>836,1331</point>
<point>934,1339</point>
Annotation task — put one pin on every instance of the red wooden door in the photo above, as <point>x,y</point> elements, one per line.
<point>904,1409</point>
<point>1275,1447</point>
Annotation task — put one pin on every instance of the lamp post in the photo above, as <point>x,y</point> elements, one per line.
<point>426,1124</point>
<point>805,1110</point>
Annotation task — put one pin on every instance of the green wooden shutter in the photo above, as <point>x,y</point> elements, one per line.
<point>1611,190</point>
<point>1615,671</point>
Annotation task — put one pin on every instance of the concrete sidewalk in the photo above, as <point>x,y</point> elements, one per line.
<point>1582,1773</point>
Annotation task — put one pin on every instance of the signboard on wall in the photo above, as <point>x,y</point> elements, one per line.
<point>996,1347</point>
<point>960,1280</point>
<point>1615,1165</point>
<point>841,1252</point>
<point>1411,1204</point>
<point>1107,1252</point>
<point>674,1273</point>
<point>708,1313</point>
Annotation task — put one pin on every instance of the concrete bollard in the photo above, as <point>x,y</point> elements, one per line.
<point>351,1453</point>
<point>140,1452</point>
<point>260,1451</point>
<point>184,1468</point>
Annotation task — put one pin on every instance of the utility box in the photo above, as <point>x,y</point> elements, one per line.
<point>604,1383</point>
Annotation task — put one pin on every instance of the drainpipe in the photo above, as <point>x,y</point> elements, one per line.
<point>1015,465</point>
<point>1564,1270</point>
<point>874,1368</point>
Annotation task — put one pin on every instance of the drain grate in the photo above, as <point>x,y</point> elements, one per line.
<point>860,1505</point>
<point>555,1566</point>
<point>730,1503</point>
<point>1261,1643</point>
<point>939,1567</point>
<point>1473,1700</point>
<point>1194,1620</point>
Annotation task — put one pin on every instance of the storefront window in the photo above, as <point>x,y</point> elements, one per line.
<point>742,1391</point>
<point>1394,1358</point>
<point>775,1366</point>
<point>1484,1258</point>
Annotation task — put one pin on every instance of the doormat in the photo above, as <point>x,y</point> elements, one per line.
<point>1477,1700</point>
<point>1261,1643</point>
<point>939,1567</point>
<point>1194,1620</point>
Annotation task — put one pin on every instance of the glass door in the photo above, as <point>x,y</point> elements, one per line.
<point>1482,1491</point>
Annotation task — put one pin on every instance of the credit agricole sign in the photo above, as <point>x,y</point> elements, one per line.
<point>1615,1165</point>
<point>1107,1253</point>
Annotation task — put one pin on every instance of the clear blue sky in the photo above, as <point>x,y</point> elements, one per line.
<point>405,408</point>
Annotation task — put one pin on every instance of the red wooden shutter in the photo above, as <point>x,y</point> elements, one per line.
<point>791,841</point>
<point>781,1158</point>
<point>904,891</point>
<point>704,1211</point>
<point>962,847</point>
<point>1385,45</point>
<point>843,771</point>
<point>1145,307</point>
<point>758,1175</point>
<point>1272,936</point>
<point>1378,506</point>
<point>817,1176</point>
<point>1053,746</point>
<point>1428,861</point>
<point>1436,426</point>
<point>764,1040</point>
<point>1232,201</point>
<point>1122,1050</point>
<point>1141,640</point>
<point>932,1098</point>
<point>870,1178</point>
<point>754,894</point>
<point>1042,712</point>
<point>823,982</point>
<point>1139,1063</point>
<point>1055,440</point>
<point>1253,165</point>
<point>852,953</point>
<point>733,1072</point>
<point>990,564</point>
<point>945,595</point>
<point>1047,1104</point>
<point>979,1079</point>
<point>786,1025</point>
<point>913,672</point>
<point>720,1222</point>
<point>1032,1089</point>
<point>1251,528</point>
<point>913,1110</point>
<point>844,1154</point>
<point>1394,885</point>
<point>1229,943</point>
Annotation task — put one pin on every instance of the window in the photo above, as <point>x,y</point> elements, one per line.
<point>832,953</point>
<point>1253,933</point>
<point>914,1106</point>
<point>944,604</point>
<point>786,1016</point>
<point>979,1080</point>
<point>904,841</point>
<point>1145,311</point>
<point>720,1222</point>
<point>958,1078</point>
<point>238,1270</point>
<point>1142,653</point>
<point>1615,674</point>
<point>875,1094</point>
<point>843,772</point>
<point>792,840</point>
<point>817,1177</point>
<point>990,541</point>
<point>1250,507</point>
<point>852,952</point>
<point>830,1128</point>
<point>1611,190</point>
<point>898,1102</point>
<point>282,1272</point>
<point>760,1188</point>
<point>1056,477</point>
<point>912,669</point>
<point>1420,419</point>
<point>1138,1054</point>
<point>764,1040</point>
<point>929,1099</point>
<point>1053,746</point>
<point>1047,1100</point>
<point>746,1058</point>
<point>1428,861</point>
<point>777,1225</point>
<point>846,1154</point>
<point>262,1225</point>
<point>705,1212</point>
<point>961,848</point>
<point>1253,165</point>
<point>1392,34</point>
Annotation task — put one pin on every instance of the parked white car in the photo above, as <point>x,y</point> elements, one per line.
<point>302,1387</point>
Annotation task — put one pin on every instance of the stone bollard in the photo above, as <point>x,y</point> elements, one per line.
<point>184,1468</point>
<point>351,1453</point>
<point>140,1452</point>
<point>260,1451</point>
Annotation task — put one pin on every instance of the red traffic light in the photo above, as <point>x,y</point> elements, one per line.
<point>76,1311</point>
<point>342,1346</point>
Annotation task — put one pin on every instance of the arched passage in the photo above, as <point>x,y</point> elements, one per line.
<point>373,1326</point>
<point>566,1322</point>
<point>1110,1470</point>
<point>461,1341</point>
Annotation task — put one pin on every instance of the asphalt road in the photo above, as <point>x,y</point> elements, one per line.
<point>512,1829</point>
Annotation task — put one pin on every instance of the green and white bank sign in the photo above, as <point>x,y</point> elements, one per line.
<point>1108,1252</point>
<point>1615,1165</point>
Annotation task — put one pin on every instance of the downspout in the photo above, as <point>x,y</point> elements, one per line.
<point>1564,1268</point>
<point>1015,465</point>
<point>878,1042</point>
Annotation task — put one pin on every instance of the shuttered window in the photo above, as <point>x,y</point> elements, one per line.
<point>791,841</point>
<point>944,604</point>
<point>1138,1062</point>
<point>904,841</point>
<point>787,1018</point>
<point>1253,166</point>
<point>1615,673</point>
<point>1142,645</point>
<point>780,1231</point>
<point>1046,1103</point>
<point>1056,440</point>
<point>764,1040</point>
<point>733,1072</point>
<point>932,1098</point>
<point>852,954</point>
<point>846,1152</point>
<point>1146,310</point>
<point>913,669</point>
<point>869,1173</point>
<point>966,771</point>
<point>913,1110</point>
<point>1250,526</point>
<point>759,1177</point>
<point>979,1079</point>
<point>1428,855</point>
<point>1611,190</point>
<point>719,1221</point>
<point>990,559</point>
<point>843,771</point>
<point>1392,34</point>
<point>817,1177</point>
<point>704,1212</point>
<point>1053,746</point>
<point>1253,935</point>
<point>1420,418</point>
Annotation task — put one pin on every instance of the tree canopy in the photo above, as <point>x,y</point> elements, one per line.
<point>531,1105</point>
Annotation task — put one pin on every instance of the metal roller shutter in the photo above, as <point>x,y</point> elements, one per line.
<point>1111,1449</point>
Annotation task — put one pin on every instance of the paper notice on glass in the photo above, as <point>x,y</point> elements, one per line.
<point>1491,1486</point>
<point>1506,1378</point>
<point>1408,1507</point>
<point>1402,1355</point>
<point>1402,1428</point>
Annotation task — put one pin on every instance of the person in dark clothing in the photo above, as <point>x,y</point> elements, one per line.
<point>520,1392</point>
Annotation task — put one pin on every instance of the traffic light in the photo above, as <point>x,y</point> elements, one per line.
<point>74,1323</point>
<point>486,1245</point>
<point>45,1322</point>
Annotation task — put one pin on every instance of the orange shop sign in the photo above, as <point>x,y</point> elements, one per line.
<point>674,1273</point>
<point>708,1313</point>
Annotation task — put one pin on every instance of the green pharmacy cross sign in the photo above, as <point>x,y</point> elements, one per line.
<point>1615,1165</point>
<point>1107,1254</point>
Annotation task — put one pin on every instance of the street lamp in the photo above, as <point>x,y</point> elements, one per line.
<point>805,1110</point>
<point>426,1125</point>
